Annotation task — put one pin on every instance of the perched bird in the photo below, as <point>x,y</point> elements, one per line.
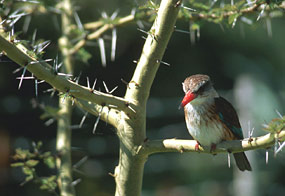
<point>210,118</point>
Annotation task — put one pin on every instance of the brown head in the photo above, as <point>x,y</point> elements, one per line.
<point>197,87</point>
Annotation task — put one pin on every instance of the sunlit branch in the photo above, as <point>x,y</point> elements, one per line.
<point>178,145</point>
<point>103,28</point>
<point>42,70</point>
<point>253,8</point>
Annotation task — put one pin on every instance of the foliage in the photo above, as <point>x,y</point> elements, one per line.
<point>276,125</point>
<point>29,160</point>
<point>192,11</point>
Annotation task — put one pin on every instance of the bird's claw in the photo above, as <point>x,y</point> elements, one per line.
<point>197,146</point>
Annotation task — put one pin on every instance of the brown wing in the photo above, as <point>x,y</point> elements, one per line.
<point>228,116</point>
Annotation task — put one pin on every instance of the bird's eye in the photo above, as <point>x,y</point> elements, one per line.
<point>203,87</point>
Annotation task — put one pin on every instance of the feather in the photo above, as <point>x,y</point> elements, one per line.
<point>228,116</point>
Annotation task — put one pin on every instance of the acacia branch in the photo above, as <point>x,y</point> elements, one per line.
<point>252,8</point>
<point>247,10</point>
<point>100,31</point>
<point>153,51</point>
<point>42,70</point>
<point>64,132</point>
<point>178,145</point>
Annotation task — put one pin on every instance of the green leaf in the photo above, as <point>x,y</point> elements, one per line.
<point>49,112</point>
<point>29,178</point>
<point>19,164</point>
<point>39,144</point>
<point>48,183</point>
<point>32,163</point>
<point>28,171</point>
<point>46,154</point>
<point>83,55</point>
<point>22,154</point>
<point>195,26</point>
<point>276,125</point>
<point>50,162</point>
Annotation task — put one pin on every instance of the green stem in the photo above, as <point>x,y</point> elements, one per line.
<point>178,145</point>
<point>63,147</point>
<point>64,133</point>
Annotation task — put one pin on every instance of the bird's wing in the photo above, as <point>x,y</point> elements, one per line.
<point>228,116</point>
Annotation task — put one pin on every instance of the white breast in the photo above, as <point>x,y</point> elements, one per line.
<point>205,131</point>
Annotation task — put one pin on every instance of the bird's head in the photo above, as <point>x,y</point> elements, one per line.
<point>198,89</point>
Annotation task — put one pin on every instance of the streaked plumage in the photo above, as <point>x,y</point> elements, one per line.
<point>210,118</point>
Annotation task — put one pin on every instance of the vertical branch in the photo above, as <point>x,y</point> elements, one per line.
<point>63,146</point>
<point>132,128</point>
<point>63,140</point>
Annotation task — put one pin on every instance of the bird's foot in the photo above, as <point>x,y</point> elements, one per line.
<point>197,146</point>
<point>213,148</point>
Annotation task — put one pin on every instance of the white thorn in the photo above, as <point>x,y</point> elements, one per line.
<point>114,15</point>
<point>261,13</point>
<point>269,27</point>
<point>280,148</point>
<point>266,157</point>
<point>97,121</point>
<point>104,15</point>
<point>88,84</point>
<point>22,77</point>
<point>63,99</point>
<point>188,8</point>
<point>102,51</point>
<point>162,62</point>
<point>34,37</point>
<point>17,70</point>
<point>75,182</point>
<point>36,87</point>
<point>80,162</point>
<point>229,160</point>
<point>83,119</point>
<point>27,23</point>
<point>94,84</point>
<point>132,109</point>
<point>113,90</point>
<point>114,42</point>
<point>275,146</point>
<point>78,22</point>
<point>106,88</point>
<point>49,122</point>
<point>182,31</point>
<point>278,113</point>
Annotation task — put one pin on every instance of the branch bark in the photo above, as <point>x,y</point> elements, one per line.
<point>96,34</point>
<point>132,127</point>
<point>177,145</point>
<point>42,70</point>
<point>64,132</point>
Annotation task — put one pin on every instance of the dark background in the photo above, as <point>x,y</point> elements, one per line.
<point>246,65</point>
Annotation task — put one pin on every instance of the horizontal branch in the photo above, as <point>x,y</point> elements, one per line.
<point>178,145</point>
<point>121,21</point>
<point>43,71</point>
<point>98,33</point>
<point>250,9</point>
<point>229,13</point>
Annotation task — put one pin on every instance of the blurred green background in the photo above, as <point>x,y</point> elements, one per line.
<point>246,64</point>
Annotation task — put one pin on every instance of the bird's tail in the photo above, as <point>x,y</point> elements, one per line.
<point>242,161</point>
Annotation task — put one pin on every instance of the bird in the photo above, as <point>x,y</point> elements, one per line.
<point>210,118</point>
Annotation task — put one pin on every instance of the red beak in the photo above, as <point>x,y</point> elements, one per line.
<point>187,99</point>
